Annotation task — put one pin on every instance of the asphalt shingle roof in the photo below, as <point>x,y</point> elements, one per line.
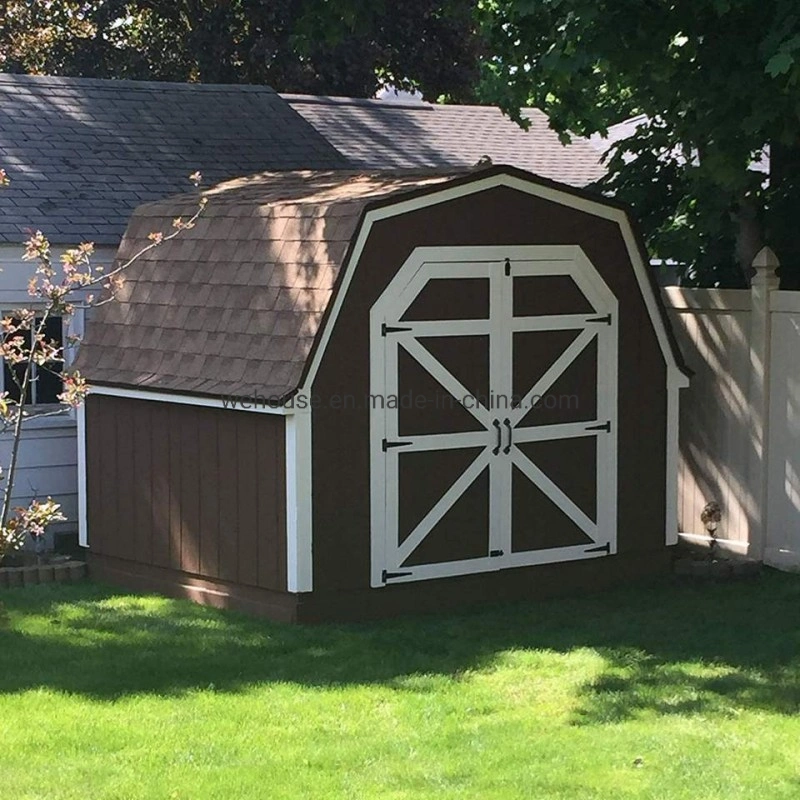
<point>381,134</point>
<point>83,153</point>
<point>232,306</point>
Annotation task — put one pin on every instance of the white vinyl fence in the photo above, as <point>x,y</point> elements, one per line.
<point>740,417</point>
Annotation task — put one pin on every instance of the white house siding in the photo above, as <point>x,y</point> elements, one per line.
<point>47,465</point>
<point>48,452</point>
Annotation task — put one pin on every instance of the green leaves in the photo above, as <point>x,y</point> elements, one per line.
<point>785,59</point>
<point>312,46</point>
<point>720,78</point>
<point>779,64</point>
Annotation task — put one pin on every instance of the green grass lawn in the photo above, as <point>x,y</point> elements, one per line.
<point>668,692</point>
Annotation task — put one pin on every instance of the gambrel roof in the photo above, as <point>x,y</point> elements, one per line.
<point>234,306</point>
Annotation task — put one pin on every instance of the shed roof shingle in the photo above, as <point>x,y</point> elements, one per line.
<point>83,153</point>
<point>380,134</point>
<point>232,307</point>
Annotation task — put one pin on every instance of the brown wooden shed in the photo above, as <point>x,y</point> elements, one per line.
<point>344,395</point>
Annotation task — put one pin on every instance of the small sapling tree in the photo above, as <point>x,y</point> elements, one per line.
<point>57,288</point>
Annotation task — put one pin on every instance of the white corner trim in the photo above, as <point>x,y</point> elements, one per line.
<point>83,531</point>
<point>594,207</point>
<point>189,400</point>
<point>299,561</point>
<point>673,460</point>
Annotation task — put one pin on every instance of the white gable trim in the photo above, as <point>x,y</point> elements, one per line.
<point>675,375</point>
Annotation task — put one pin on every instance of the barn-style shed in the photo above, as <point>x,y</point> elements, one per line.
<point>345,395</point>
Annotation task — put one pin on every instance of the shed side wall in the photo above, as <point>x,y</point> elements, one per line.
<point>341,435</point>
<point>197,491</point>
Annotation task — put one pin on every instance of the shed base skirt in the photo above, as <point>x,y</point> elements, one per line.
<point>280,606</point>
<point>450,594</point>
<point>470,591</point>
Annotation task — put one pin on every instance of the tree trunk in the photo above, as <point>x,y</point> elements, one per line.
<point>749,235</point>
<point>784,211</point>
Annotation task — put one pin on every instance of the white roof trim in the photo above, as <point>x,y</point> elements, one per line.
<point>675,375</point>
<point>220,403</point>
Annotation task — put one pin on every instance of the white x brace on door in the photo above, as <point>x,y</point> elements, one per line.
<point>472,470</point>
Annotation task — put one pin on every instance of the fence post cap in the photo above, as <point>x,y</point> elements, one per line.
<point>765,258</point>
<point>765,264</point>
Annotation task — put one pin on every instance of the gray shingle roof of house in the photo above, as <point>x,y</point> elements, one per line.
<point>83,153</point>
<point>381,134</point>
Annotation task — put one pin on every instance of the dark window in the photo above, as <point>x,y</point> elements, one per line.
<point>46,384</point>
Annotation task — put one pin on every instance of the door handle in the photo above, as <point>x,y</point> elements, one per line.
<point>507,423</point>
<point>496,448</point>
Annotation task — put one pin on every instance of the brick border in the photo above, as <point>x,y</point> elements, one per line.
<point>69,571</point>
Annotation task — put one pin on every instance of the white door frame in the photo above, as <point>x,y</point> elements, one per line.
<point>423,264</point>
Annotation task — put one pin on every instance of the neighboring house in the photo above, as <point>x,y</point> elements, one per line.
<point>380,134</point>
<point>627,128</point>
<point>83,153</point>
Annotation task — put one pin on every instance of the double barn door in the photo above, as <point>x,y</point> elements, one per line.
<point>493,413</point>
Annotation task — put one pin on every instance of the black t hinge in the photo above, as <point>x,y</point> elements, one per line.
<point>508,267</point>
<point>387,576</point>
<point>387,329</point>
<point>606,426</point>
<point>387,445</point>
<point>495,553</point>
<point>606,548</point>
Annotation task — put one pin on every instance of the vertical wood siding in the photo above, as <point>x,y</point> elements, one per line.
<point>198,490</point>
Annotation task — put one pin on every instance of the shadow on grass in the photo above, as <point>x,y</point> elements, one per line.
<point>668,649</point>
